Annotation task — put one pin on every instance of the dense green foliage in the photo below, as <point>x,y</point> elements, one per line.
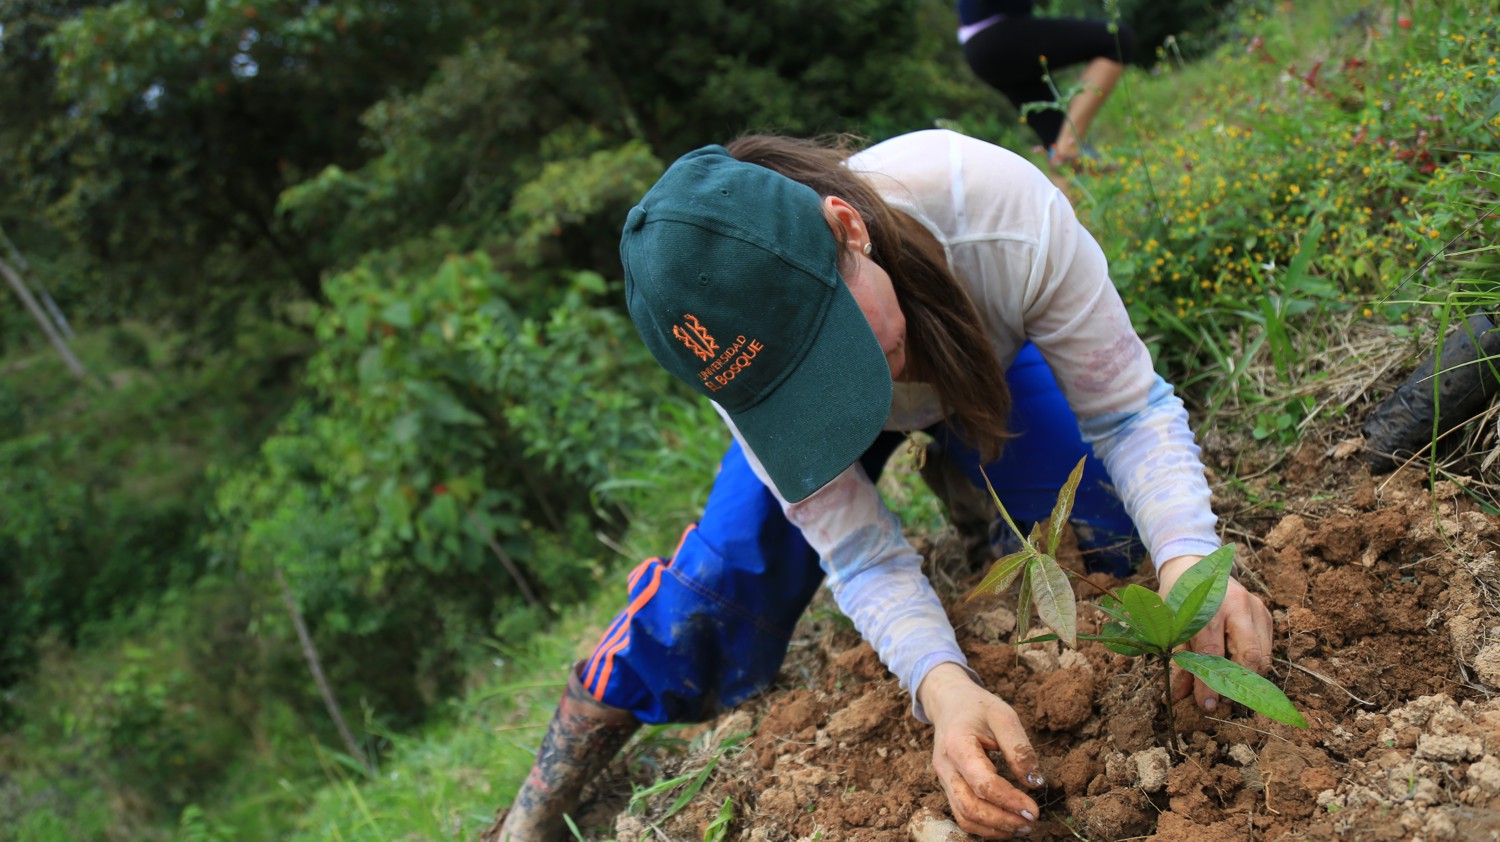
<point>184,122</point>
<point>346,276</point>
<point>1361,173</point>
<point>446,436</point>
<point>101,493</point>
<point>429,197</point>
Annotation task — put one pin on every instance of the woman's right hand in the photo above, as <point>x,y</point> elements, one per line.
<point>970,722</point>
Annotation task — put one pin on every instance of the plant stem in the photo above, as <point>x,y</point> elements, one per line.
<point>1166,686</point>
<point>1084,579</point>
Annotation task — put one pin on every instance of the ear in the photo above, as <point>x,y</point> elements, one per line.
<point>844,219</point>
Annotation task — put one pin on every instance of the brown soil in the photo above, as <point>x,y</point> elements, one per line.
<point>1385,598</point>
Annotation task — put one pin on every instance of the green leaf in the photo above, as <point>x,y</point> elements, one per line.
<point>357,320</point>
<point>1117,639</point>
<point>1149,616</point>
<point>370,366</point>
<point>1054,599</point>
<point>1253,691</point>
<point>691,791</point>
<point>1110,604</point>
<point>1003,513</point>
<point>1023,605</point>
<point>1041,638</point>
<point>398,314</point>
<point>1003,573</point>
<point>1188,622</point>
<point>1063,509</point>
<point>1189,618</point>
<point>1039,534</point>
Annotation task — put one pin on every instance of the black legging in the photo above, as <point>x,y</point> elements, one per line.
<point>1008,56</point>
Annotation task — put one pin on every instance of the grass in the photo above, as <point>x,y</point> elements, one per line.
<point>1298,312</point>
<point>1328,259</point>
<point>446,782</point>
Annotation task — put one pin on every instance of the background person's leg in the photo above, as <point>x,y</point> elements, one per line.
<point>1037,460</point>
<point>1008,57</point>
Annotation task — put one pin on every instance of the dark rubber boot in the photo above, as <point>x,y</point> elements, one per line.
<point>1466,382</point>
<point>583,737</point>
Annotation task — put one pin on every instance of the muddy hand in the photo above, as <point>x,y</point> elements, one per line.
<point>1241,630</point>
<point>969,722</point>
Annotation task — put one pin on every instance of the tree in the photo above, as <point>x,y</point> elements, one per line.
<point>159,137</point>
<point>536,136</point>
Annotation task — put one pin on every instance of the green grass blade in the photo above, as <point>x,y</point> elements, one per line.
<point>1148,615</point>
<point>1063,509</point>
<point>1213,568</point>
<point>1054,599</point>
<point>718,829</point>
<point>641,796</point>
<point>1003,573</point>
<point>691,791</point>
<point>1253,691</point>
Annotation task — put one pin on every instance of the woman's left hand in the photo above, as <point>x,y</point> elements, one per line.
<point>1242,628</point>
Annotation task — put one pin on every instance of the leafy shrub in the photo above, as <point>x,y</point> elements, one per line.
<point>99,508</point>
<point>1191,27</point>
<point>150,719</point>
<point>443,469</point>
<point>74,544</point>
<point>1359,161</point>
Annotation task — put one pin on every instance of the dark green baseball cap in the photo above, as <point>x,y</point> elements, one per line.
<point>732,279</point>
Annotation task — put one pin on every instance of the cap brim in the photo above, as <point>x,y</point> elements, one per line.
<point>826,413</point>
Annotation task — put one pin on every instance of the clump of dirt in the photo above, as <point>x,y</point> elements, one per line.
<point>1384,596</point>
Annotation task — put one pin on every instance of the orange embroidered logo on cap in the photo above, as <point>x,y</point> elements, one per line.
<point>696,337</point>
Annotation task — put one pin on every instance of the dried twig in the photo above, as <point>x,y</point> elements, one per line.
<point>1325,679</point>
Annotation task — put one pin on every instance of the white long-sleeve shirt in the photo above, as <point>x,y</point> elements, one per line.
<point>1033,272</point>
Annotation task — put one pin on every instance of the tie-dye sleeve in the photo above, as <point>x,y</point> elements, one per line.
<point>874,574</point>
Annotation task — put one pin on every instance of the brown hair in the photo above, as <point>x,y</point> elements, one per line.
<point>946,344</point>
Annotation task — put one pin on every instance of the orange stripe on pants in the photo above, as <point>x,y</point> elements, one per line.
<point>617,637</point>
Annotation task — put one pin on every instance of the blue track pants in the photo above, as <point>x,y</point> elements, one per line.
<point>708,627</point>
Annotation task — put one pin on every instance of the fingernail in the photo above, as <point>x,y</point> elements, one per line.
<point>1210,704</point>
<point>1026,814</point>
<point>1022,831</point>
<point>1034,778</point>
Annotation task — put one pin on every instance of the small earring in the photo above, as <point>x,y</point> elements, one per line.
<point>869,247</point>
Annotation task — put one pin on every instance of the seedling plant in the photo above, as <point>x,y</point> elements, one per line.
<point>1141,624</point>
